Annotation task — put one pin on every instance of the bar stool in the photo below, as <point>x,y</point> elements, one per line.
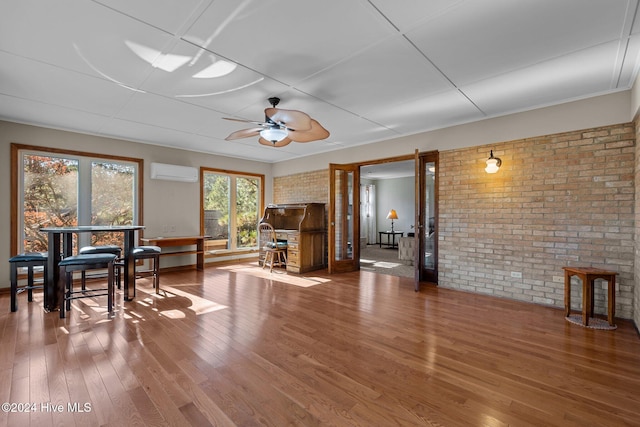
<point>152,253</point>
<point>103,249</point>
<point>28,260</point>
<point>82,263</point>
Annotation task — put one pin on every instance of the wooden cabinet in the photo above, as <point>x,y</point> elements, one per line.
<point>303,226</point>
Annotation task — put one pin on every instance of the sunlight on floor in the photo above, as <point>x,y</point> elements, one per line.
<point>381,264</point>
<point>191,302</point>
<point>279,275</point>
<point>198,305</point>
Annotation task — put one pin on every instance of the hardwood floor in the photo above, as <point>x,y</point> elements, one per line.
<point>236,345</point>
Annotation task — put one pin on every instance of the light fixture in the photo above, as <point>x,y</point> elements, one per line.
<point>392,215</point>
<point>493,164</point>
<point>274,134</point>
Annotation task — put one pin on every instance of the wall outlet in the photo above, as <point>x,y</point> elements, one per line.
<point>516,274</point>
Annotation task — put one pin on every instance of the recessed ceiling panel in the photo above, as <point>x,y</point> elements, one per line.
<point>82,36</point>
<point>346,128</point>
<point>23,78</point>
<point>385,74</point>
<point>547,83</point>
<point>288,40</point>
<point>165,112</point>
<point>412,12</point>
<point>478,40</point>
<point>433,112</point>
<point>168,15</point>
<point>46,115</point>
<point>211,81</point>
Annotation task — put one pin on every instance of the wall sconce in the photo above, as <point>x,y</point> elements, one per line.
<point>392,215</point>
<point>493,164</point>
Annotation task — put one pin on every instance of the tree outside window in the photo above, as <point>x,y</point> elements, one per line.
<point>60,191</point>
<point>231,209</point>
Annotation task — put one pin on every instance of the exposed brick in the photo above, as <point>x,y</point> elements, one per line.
<point>565,199</point>
<point>557,200</point>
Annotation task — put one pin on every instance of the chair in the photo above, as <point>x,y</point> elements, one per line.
<point>103,249</point>
<point>82,263</point>
<point>406,250</point>
<point>147,252</point>
<point>28,261</point>
<point>275,252</point>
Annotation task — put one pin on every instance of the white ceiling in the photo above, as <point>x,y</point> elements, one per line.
<point>366,70</point>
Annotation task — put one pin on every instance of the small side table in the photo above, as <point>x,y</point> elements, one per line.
<point>588,275</point>
<point>393,235</point>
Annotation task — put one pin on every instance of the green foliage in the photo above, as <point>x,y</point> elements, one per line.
<point>217,197</point>
<point>51,197</point>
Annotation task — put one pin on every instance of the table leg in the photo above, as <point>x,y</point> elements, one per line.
<point>567,294</point>
<point>611,302</point>
<point>200,254</point>
<point>587,291</point>
<point>53,274</point>
<point>592,302</point>
<point>129,266</point>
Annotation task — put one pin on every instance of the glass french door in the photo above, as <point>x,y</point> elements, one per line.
<point>426,255</point>
<point>344,218</point>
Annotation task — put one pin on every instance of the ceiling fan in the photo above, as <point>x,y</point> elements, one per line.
<point>280,127</point>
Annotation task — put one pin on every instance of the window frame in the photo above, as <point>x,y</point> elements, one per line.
<point>235,174</point>
<point>16,186</point>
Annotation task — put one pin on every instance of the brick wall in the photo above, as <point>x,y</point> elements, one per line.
<point>565,199</point>
<point>636,299</point>
<point>305,187</point>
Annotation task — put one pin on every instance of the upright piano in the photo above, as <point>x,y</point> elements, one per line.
<point>304,227</point>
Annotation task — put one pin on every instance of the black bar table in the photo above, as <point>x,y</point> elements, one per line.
<point>64,235</point>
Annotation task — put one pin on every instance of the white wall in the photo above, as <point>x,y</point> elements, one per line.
<point>169,203</point>
<point>398,194</point>
<point>635,99</point>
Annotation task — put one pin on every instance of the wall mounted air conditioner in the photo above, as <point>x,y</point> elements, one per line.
<point>173,172</point>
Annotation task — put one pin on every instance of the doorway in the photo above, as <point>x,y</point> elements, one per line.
<point>386,187</point>
<point>421,204</point>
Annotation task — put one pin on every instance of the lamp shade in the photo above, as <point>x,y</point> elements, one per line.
<point>392,214</point>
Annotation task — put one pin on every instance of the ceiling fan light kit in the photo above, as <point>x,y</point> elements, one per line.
<point>274,134</point>
<point>280,127</point>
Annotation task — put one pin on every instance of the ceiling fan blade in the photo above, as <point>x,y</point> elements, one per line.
<point>248,121</point>
<point>282,143</point>
<point>244,133</point>
<point>316,133</point>
<point>292,119</point>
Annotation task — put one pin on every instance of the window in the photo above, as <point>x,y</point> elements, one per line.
<point>231,209</point>
<point>57,188</point>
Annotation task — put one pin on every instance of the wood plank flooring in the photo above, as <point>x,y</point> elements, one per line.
<point>237,346</point>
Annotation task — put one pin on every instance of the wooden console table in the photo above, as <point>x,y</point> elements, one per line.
<point>167,242</point>
<point>588,275</point>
